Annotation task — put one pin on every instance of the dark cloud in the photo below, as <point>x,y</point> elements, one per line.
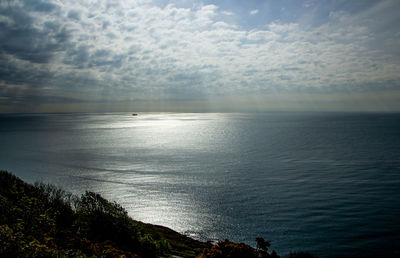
<point>20,38</point>
<point>78,56</point>
<point>39,99</point>
<point>40,6</point>
<point>135,50</point>
<point>105,24</point>
<point>12,73</point>
<point>74,14</point>
<point>84,56</point>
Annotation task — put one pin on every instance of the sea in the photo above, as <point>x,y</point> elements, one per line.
<point>325,183</point>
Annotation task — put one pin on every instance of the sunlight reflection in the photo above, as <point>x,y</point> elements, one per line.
<point>142,162</point>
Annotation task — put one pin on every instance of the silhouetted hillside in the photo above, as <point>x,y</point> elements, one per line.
<point>44,221</point>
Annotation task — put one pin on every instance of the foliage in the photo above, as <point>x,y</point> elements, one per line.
<point>42,220</point>
<point>101,220</point>
<point>262,247</point>
<point>229,249</point>
<point>235,250</point>
<point>45,221</point>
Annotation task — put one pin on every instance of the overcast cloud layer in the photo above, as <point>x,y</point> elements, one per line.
<point>199,56</point>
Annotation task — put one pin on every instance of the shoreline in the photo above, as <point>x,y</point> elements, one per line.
<point>46,221</point>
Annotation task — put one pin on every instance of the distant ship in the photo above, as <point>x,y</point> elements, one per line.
<point>134,114</point>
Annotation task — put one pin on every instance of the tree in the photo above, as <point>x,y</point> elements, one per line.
<point>262,247</point>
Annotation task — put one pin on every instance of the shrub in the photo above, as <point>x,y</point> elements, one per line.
<point>262,247</point>
<point>101,220</point>
<point>229,249</point>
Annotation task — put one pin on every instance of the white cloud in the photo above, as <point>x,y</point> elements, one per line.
<point>254,12</point>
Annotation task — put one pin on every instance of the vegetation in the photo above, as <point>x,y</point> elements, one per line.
<point>238,250</point>
<point>44,221</point>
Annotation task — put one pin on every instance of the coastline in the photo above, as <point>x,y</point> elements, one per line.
<point>42,220</point>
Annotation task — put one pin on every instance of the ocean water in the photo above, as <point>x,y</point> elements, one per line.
<point>326,183</point>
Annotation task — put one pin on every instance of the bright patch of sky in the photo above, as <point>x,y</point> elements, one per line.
<point>199,55</point>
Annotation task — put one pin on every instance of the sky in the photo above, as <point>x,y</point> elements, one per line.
<point>199,56</point>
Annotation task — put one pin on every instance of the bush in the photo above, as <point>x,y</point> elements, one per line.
<point>58,203</point>
<point>39,221</point>
<point>262,247</point>
<point>101,220</point>
<point>229,249</point>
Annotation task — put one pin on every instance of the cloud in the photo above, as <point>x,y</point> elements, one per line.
<point>254,12</point>
<point>148,51</point>
<point>20,38</point>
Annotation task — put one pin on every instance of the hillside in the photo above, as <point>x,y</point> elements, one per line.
<point>44,221</point>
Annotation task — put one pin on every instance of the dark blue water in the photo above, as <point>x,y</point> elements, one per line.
<point>327,183</point>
